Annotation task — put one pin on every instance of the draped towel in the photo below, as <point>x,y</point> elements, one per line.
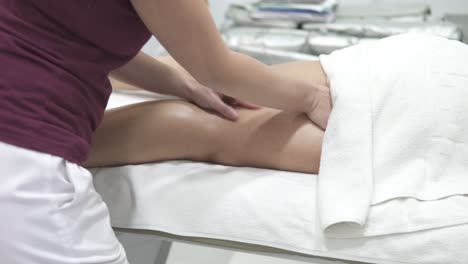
<point>395,153</point>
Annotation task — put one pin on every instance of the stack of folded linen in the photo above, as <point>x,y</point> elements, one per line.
<point>269,45</point>
<point>402,12</point>
<point>282,14</point>
<point>239,15</point>
<point>317,39</point>
<point>276,31</point>
<point>293,40</point>
<point>296,10</point>
<point>382,29</point>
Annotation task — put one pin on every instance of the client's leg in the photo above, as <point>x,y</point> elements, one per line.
<point>166,130</point>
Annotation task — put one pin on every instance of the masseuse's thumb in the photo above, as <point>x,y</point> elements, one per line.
<point>321,108</point>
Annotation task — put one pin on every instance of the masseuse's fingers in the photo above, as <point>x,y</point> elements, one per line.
<point>236,102</point>
<point>321,108</point>
<point>206,98</point>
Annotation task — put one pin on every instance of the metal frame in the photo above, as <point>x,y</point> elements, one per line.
<point>305,258</point>
<point>163,252</point>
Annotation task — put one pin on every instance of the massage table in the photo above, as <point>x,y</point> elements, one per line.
<point>252,210</point>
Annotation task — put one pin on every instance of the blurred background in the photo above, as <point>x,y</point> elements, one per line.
<point>276,31</point>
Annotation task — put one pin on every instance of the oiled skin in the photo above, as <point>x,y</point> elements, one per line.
<point>168,130</point>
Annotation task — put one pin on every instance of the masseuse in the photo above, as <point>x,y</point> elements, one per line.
<point>55,59</point>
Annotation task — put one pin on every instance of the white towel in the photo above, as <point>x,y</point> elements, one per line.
<point>395,151</point>
<point>258,207</point>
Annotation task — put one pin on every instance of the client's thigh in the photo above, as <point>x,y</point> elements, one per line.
<point>166,130</point>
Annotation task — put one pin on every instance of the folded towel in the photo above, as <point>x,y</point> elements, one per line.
<point>294,1</point>
<point>323,11</point>
<point>277,12</point>
<point>325,6</point>
<point>381,29</point>
<point>397,135</point>
<point>291,15</point>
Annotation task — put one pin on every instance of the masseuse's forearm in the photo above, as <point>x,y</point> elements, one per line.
<point>168,60</point>
<point>146,72</point>
<point>189,33</point>
<point>309,71</point>
<point>241,76</point>
<point>236,76</point>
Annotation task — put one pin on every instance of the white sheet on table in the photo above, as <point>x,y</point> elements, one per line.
<point>395,152</point>
<point>257,206</point>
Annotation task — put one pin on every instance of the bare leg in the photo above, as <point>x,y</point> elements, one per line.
<point>167,130</point>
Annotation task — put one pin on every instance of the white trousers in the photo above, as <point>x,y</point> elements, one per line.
<point>50,212</point>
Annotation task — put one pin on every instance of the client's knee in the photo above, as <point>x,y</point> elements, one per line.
<point>188,126</point>
<point>174,111</point>
<point>179,114</point>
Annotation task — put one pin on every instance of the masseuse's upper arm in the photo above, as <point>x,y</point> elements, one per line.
<point>178,25</point>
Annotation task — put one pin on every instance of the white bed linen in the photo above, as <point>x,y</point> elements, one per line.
<point>257,206</point>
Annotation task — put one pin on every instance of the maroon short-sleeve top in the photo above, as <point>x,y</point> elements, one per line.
<point>55,57</point>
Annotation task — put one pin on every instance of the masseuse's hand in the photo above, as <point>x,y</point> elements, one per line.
<point>321,106</point>
<point>206,98</point>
